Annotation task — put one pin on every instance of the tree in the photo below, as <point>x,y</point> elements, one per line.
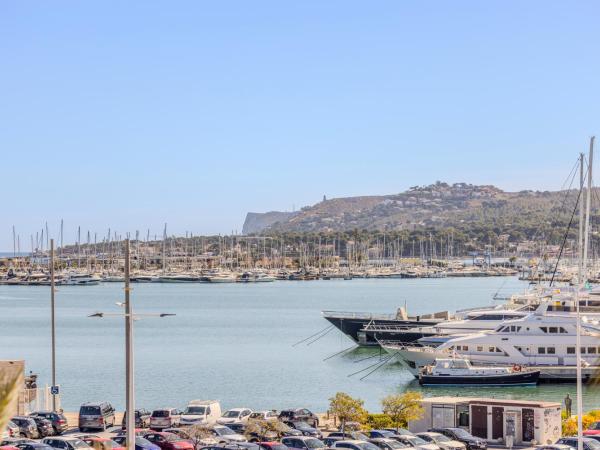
<point>347,409</point>
<point>401,408</point>
<point>200,434</point>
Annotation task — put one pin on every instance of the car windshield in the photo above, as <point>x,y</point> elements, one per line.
<point>595,426</point>
<point>395,444</point>
<point>441,438</point>
<point>459,432</point>
<point>361,437</point>
<point>231,413</point>
<point>385,433</point>
<point>78,443</point>
<point>593,444</point>
<point>302,425</point>
<point>89,410</point>
<point>160,413</point>
<point>416,440</point>
<point>140,441</point>
<point>224,431</point>
<point>315,443</point>
<point>200,410</point>
<point>367,446</point>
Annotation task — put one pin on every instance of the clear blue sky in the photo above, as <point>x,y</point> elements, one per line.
<point>131,114</point>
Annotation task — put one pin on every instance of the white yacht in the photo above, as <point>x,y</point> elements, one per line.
<point>544,338</point>
<point>80,279</point>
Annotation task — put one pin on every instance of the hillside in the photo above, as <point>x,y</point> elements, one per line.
<point>436,206</point>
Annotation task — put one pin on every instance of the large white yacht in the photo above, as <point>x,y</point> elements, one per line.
<point>544,338</point>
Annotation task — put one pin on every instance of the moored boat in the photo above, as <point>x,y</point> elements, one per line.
<point>460,372</point>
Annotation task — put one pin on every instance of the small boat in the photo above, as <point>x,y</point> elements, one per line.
<point>460,372</point>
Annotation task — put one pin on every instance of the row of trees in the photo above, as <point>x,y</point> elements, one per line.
<point>398,410</point>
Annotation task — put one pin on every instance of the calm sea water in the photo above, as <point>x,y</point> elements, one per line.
<point>232,342</point>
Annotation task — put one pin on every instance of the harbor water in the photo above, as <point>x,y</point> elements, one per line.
<point>234,342</point>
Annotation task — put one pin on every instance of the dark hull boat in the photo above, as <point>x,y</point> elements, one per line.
<point>368,329</point>
<point>460,372</point>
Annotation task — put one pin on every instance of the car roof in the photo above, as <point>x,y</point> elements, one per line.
<point>350,441</point>
<point>429,433</point>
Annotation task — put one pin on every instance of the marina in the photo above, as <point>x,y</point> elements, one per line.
<point>228,341</point>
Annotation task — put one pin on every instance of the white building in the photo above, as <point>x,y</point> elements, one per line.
<point>528,422</point>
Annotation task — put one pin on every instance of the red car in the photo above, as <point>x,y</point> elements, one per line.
<point>272,446</point>
<point>593,430</point>
<point>169,441</point>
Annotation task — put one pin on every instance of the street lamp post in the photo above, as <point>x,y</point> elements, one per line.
<point>52,324</point>
<point>129,360</point>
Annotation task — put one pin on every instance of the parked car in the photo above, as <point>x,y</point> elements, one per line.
<point>593,430</point>
<point>140,443</point>
<point>237,446</point>
<point>387,443</point>
<point>44,426</point>
<point>234,415</point>
<point>13,429</point>
<point>355,444</point>
<point>27,427</point>
<point>264,415</point>
<point>142,419</point>
<point>165,418</point>
<point>100,443</point>
<point>169,441</point>
<point>329,441</point>
<point>554,447</point>
<point>303,443</point>
<point>416,442</point>
<point>588,443</point>
<point>306,429</point>
<point>33,446</point>
<point>461,435</point>
<point>66,443</point>
<point>58,420</point>
<point>385,434</point>
<point>442,441</point>
<point>227,435</point>
<point>13,442</point>
<point>299,414</point>
<point>272,445</point>
<point>399,431</point>
<point>96,416</point>
<point>201,411</point>
<point>349,435</point>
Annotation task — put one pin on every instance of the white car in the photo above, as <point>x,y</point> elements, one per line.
<point>355,444</point>
<point>227,435</point>
<point>417,442</point>
<point>201,411</point>
<point>235,415</point>
<point>264,415</point>
<point>443,442</point>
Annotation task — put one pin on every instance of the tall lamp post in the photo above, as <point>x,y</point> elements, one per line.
<point>52,325</point>
<point>129,379</point>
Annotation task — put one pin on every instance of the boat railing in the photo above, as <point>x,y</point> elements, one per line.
<point>357,315</point>
<point>385,327</point>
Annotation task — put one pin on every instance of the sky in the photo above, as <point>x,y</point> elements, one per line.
<point>129,115</point>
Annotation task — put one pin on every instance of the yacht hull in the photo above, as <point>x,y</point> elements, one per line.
<point>529,378</point>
